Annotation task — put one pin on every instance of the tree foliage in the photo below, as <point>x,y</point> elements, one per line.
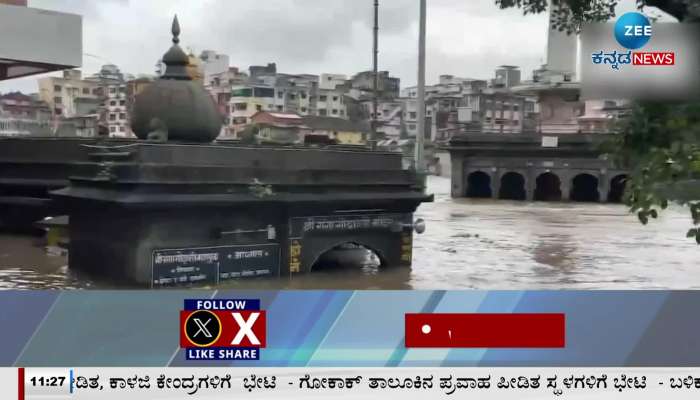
<point>569,15</point>
<point>659,143</point>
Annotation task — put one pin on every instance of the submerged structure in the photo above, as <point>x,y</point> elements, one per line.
<point>177,208</point>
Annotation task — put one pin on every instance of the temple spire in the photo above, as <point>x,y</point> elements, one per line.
<point>175,59</point>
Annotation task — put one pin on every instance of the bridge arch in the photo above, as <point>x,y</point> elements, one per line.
<point>479,185</point>
<point>512,186</point>
<point>617,188</point>
<point>584,188</point>
<point>347,254</point>
<point>548,187</point>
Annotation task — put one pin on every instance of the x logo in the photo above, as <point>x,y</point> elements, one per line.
<point>202,328</point>
<point>245,329</point>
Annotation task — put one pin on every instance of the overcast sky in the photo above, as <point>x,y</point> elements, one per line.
<point>467,38</point>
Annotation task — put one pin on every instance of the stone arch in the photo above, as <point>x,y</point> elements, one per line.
<point>617,188</point>
<point>584,188</point>
<point>479,185</point>
<point>548,187</point>
<point>513,186</point>
<point>347,253</point>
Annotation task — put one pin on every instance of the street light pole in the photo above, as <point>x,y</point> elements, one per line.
<point>420,135</point>
<point>375,72</point>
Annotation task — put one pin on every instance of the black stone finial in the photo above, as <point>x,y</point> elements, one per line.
<point>176,30</point>
<point>175,59</point>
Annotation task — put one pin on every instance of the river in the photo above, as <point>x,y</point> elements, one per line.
<point>468,244</point>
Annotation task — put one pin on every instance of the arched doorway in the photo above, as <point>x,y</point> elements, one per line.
<point>512,187</point>
<point>585,188</point>
<point>352,256</point>
<point>617,189</point>
<point>479,185</point>
<point>548,187</point>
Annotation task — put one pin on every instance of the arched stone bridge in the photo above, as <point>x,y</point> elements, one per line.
<point>518,167</point>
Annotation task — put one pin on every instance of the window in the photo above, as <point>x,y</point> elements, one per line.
<point>335,98</point>
<point>322,98</point>
<point>112,117</point>
<point>303,95</point>
<point>57,100</point>
<point>334,112</point>
<point>86,91</point>
<point>121,129</point>
<point>96,91</point>
<point>411,127</point>
<point>122,89</point>
<point>322,112</point>
<point>303,109</point>
<point>280,95</point>
<point>122,115</point>
<point>413,115</point>
<point>122,102</point>
<point>240,106</point>
<point>258,107</point>
<point>112,90</point>
<point>292,96</point>
<point>280,108</point>
<point>57,88</point>
<point>112,129</point>
<point>245,92</point>
<point>264,92</point>
<point>342,112</point>
<point>113,103</point>
<point>57,111</point>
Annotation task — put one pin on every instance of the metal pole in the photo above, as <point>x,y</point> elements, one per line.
<point>420,135</point>
<point>376,72</point>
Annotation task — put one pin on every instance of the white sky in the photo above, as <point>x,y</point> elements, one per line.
<point>467,38</point>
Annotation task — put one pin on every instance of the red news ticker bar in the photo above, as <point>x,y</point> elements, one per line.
<point>20,383</point>
<point>485,330</point>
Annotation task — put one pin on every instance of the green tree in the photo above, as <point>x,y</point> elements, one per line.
<point>659,143</point>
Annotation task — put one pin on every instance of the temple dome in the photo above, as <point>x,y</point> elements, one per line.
<point>175,103</point>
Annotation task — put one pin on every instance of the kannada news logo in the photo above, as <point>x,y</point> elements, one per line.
<point>633,31</point>
<point>230,329</point>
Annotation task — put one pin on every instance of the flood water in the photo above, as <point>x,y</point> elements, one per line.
<point>469,244</point>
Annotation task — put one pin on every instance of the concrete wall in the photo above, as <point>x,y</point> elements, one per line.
<point>40,36</point>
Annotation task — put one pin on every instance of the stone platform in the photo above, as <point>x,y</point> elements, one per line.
<point>167,214</point>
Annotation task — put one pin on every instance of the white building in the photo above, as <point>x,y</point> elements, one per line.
<point>213,63</point>
<point>331,81</point>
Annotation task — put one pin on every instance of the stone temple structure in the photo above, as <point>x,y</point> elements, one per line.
<point>175,207</point>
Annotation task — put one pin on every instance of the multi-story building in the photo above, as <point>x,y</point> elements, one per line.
<point>22,115</point>
<point>61,93</point>
<point>331,81</point>
<point>113,96</point>
<point>213,64</point>
<point>267,90</point>
<point>296,93</point>
<point>246,100</point>
<point>362,85</point>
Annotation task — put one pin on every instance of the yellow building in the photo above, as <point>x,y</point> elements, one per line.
<point>194,68</point>
<point>342,131</point>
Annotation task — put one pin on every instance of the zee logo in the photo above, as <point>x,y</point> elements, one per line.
<point>633,30</point>
<point>222,329</point>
